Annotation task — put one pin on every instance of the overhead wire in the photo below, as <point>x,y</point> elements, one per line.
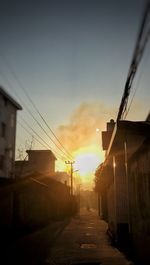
<point>34,105</point>
<point>137,86</point>
<point>48,146</point>
<point>137,56</point>
<point>30,134</point>
<point>39,124</point>
<point>44,144</point>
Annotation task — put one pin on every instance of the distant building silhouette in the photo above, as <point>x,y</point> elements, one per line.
<point>41,161</point>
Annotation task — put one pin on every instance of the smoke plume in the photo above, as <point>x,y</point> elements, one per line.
<point>81,129</point>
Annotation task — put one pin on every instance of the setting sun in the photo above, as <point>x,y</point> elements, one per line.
<point>86,161</point>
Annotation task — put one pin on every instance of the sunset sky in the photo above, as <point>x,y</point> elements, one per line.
<point>72,57</point>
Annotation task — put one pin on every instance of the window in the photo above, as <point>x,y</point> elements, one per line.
<point>5,101</point>
<point>3,129</point>
<point>12,121</point>
<point>10,154</point>
<point>1,162</point>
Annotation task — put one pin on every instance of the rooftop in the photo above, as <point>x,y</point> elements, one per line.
<point>133,127</point>
<point>13,101</point>
<point>41,151</point>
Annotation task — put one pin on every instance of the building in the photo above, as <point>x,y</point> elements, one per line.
<point>39,161</point>
<point>114,176</point>
<point>8,114</point>
<point>139,200</point>
<point>42,161</point>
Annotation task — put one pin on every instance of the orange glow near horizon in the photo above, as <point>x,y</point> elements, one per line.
<point>86,161</point>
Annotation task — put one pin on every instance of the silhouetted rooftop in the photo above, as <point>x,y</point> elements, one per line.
<point>41,151</point>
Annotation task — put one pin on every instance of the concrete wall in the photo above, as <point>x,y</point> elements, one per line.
<point>117,199</point>
<point>139,191</point>
<point>7,142</point>
<point>28,204</point>
<point>118,191</point>
<point>111,210</point>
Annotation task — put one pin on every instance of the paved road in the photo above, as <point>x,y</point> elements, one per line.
<point>32,248</point>
<point>85,240</point>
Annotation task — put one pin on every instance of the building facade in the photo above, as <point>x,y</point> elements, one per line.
<point>8,114</point>
<point>139,200</point>
<point>115,179</point>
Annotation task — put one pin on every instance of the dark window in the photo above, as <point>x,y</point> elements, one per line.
<point>5,101</point>
<point>3,129</point>
<point>1,162</point>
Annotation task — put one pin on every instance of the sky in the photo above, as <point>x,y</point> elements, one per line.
<point>72,57</point>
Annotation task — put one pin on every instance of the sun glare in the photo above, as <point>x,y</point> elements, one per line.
<point>86,161</point>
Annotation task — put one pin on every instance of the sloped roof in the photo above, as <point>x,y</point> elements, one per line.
<point>13,101</point>
<point>135,127</point>
<point>148,117</point>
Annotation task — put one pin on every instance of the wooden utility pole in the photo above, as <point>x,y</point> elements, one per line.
<point>71,174</point>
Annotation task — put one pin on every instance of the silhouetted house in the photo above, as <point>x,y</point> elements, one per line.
<point>8,113</point>
<point>40,161</point>
<point>114,176</point>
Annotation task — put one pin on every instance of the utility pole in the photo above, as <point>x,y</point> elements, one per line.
<point>71,174</point>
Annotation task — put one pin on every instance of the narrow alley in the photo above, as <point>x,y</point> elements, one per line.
<point>84,241</point>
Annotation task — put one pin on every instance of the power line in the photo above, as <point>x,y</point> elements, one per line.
<point>45,145</point>
<point>137,56</point>
<point>33,104</point>
<point>39,124</point>
<point>31,134</point>
<point>27,124</point>
<point>137,87</point>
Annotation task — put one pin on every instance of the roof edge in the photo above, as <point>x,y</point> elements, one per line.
<point>10,98</point>
<point>41,151</point>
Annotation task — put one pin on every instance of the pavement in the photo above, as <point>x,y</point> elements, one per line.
<point>85,241</point>
<point>79,240</point>
<point>32,248</point>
